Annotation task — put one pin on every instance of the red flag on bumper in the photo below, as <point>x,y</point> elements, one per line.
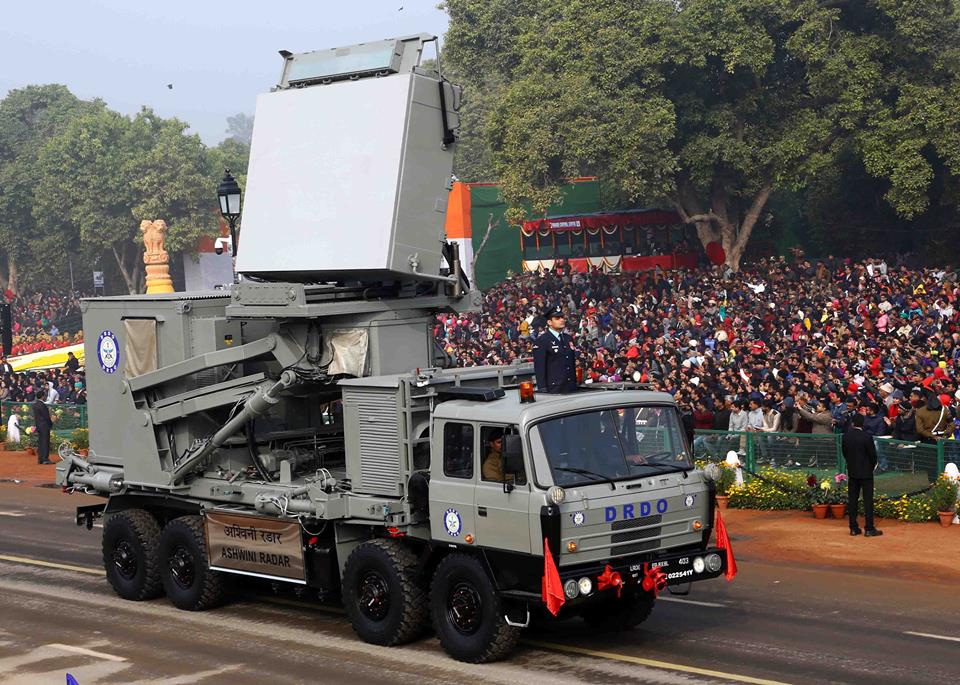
<point>552,587</point>
<point>723,542</point>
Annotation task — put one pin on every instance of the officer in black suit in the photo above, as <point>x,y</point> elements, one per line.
<point>43,423</point>
<point>861,456</point>
<point>554,357</point>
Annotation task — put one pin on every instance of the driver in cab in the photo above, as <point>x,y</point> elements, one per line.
<point>493,463</point>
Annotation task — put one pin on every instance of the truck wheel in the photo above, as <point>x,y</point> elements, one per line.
<point>130,554</point>
<point>467,612</point>
<point>382,595</point>
<point>184,568</point>
<point>621,614</point>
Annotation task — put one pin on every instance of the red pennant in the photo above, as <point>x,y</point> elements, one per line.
<point>654,579</point>
<point>610,579</point>
<point>552,587</point>
<point>723,542</point>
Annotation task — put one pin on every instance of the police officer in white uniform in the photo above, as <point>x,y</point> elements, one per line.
<point>554,357</point>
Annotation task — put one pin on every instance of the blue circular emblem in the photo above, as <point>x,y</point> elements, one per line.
<point>108,352</point>
<point>578,518</point>
<point>452,522</point>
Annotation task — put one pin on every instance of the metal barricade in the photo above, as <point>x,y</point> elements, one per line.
<point>66,417</point>
<point>903,467</point>
<point>775,450</point>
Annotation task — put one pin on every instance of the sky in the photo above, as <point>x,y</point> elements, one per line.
<point>218,55</point>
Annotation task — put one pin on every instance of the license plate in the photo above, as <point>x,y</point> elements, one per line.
<point>662,563</point>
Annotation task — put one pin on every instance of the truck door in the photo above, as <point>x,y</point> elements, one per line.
<point>503,518</point>
<point>452,508</point>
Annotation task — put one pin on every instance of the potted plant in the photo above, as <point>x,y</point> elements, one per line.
<point>821,499</point>
<point>943,496</point>
<point>837,496</point>
<point>28,439</point>
<point>724,483</point>
<point>80,438</point>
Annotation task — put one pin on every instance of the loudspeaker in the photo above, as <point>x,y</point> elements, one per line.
<point>6,328</point>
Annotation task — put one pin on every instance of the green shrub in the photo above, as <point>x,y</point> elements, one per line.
<point>80,439</point>
<point>12,445</point>
<point>28,438</point>
<point>916,509</point>
<point>776,490</point>
<point>943,494</point>
<point>728,476</point>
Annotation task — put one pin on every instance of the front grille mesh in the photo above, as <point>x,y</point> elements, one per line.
<point>626,531</point>
<point>636,523</point>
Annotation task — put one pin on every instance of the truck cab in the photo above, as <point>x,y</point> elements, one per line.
<point>601,478</point>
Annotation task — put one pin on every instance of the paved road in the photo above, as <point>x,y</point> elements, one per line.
<point>773,624</point>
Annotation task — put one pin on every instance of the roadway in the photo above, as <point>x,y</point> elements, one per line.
<point>773,624</point>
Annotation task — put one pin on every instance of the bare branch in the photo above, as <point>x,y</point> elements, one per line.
<point>709,217</point>
<point>491,224</point>
<point>750,220</point>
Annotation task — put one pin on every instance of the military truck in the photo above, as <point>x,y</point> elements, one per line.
<point>300,425</point>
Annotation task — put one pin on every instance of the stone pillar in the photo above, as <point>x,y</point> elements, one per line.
<point>157,259</point>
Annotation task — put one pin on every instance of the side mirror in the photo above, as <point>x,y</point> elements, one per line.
<point>512,455</point>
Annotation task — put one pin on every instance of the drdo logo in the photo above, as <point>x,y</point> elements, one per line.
<point>108,352</point>
<point>452,522</point>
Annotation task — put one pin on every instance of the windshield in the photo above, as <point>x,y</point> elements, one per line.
<point>612,444</point>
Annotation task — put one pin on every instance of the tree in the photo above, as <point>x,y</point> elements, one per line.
<point>29,118</point>
<point>240,128</point>
<point>712,106</point>
<point>229,154</point>
<point>105,173</point>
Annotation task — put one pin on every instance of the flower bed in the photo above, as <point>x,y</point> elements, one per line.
<point>778,490</point>
<point>775,490</point>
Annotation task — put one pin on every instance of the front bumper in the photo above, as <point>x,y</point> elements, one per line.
<point>677,566</point>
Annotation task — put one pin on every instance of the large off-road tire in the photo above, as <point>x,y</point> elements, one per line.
<point>184,567</point>
<point>131,541</point>
<point>625,613</point>
<point>467,612</point>
<point>383,595</point>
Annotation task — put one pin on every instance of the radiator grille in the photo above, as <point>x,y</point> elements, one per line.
<point>627,530</point>
<point>626,524</point>
<point>379,433</point>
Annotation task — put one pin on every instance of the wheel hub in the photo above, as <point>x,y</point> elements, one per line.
<point>373,595</point>
<point>464,608</point>
<point>125,559</point>
<point>182,568</point>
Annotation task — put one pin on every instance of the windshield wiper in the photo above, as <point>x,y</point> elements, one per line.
<point>584,472</point>
<point>662,467</point>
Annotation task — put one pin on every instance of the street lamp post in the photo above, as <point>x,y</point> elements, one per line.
<point>228,192</point>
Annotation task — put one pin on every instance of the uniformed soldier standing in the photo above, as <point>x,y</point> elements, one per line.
<point>554,357</point>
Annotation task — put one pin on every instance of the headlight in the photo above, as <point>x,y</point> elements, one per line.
<point>570,588</point>
<point>557,494</point>
<point>712,472</point>
<point>698,565</point>
<point>714,562</point>
<point>585,586</point>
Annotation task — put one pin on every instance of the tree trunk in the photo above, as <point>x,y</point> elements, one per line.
<point>12,274</point>
<point>131,268</point>
<point>714,226</point>
<point>739,245</point>
<point>491,224</point>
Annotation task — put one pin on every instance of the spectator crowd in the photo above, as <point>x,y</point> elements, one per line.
<point>65,385</point>
<point>39,320</point>
<point>790,345</point>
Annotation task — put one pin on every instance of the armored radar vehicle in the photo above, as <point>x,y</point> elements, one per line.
<point>302,427</point>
